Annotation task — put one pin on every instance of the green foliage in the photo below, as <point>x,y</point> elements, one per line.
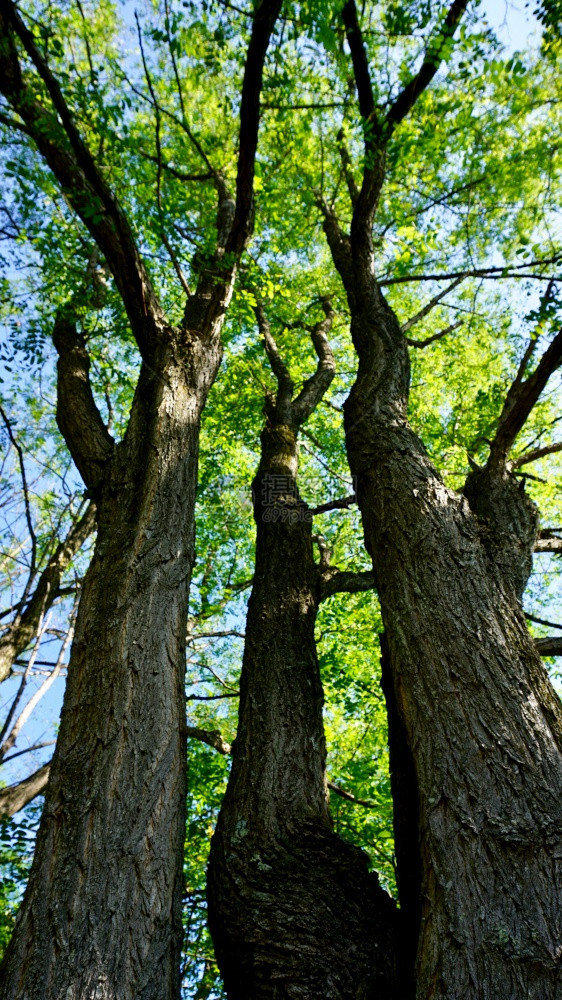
<point>17,839</point>
<point>473,182</point>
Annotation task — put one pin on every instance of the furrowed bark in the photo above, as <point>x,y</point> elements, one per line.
<point>310,921</point>
<point>102,912</point>
<point>24,628</point>
<point>101,916</point>
<point>482,722</point>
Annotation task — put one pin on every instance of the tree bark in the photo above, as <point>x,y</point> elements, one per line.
<point>16,797</point>
<point>482,721</point>
<point>23,629</point>
<point>102,913</point>
<point>293,909</point>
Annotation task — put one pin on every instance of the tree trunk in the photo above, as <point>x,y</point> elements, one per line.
<point>482,721</point>
<point>293,909</point>
<point>101,917</point>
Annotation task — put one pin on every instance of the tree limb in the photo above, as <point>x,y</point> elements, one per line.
<point>78,418</point>
<point>548,545</point>
<point>211,737</point>
<point>417,317</point>
<point>435,336</point>
<point>235,219</point>
<point>25,626</point>
<point>521,399</point>
<point>278,366</point>
<point>434,54</point>
<point>535,454</point>
<point>342,504</point>
<point>335,581</point>
<point>551,646</point>
<point>373,136</point>
<point>16,797</point>
<point>265,16</point>
<point>350,797</point>
<point>318,384</point>
<point>66,153</point>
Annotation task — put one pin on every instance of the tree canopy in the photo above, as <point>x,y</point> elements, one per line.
<point>121,134</point>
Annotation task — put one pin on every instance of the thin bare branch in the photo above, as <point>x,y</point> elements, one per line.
<point>429,306</point>
<point>22,718</point>
<point>351,798</point>
<point>27,504</point>
<point>435,336</point>
<point>517,271</point>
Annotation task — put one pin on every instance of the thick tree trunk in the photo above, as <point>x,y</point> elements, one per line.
<point>482,721</point>
<point>293,909</point>
<point>101,917</point>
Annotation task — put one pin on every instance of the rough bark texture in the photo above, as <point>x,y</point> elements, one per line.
<point>101,917</point>
<point>108,863</point>
<point>483,724</point>
<point>293,910</point>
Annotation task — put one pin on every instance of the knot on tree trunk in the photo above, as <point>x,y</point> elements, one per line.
<point>289,894</point>
<point>509,523</point>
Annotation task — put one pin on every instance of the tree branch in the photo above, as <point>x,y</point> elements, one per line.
<point>342,504</point>
<point>78,418</point>
<point>535,454</point>
<point>64,150</point>
<point>434,55</point>
<point>551,646</point>
<point>334,581</point>
<point>26,624</point>
<point>234,219</point>
<point>16,797</point>
<point>373,137</point>
<point>350,797</point>
<point>552,544</point>
<point>521,399</point>
<point>211,737</point>
<point>278,366</point>
<point>27,506</point>
<point>318,384</point>
<point>263,24</point>
<point>435,336</point>
<point>417,317</point>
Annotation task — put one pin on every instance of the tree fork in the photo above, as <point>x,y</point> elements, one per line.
<point>310,920</point>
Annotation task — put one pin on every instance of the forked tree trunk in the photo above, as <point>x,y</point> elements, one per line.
<point>482,721</point>
<point>293,910</point>
<point>101,916</point>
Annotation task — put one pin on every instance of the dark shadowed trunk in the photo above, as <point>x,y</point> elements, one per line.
<point>293,909</point>
<point>482,722</point>
<point>101,917</point>
<point>466,688</point>
<point>102,913</point>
